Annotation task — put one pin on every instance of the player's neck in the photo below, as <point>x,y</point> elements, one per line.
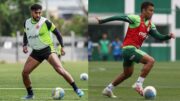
<point>34,20</point>
<point>143,16</point>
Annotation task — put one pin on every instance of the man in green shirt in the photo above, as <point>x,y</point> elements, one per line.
<point>39,37</point>
<point>140,27</point>
<point>103,47</point>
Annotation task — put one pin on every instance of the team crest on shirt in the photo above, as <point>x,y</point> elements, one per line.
<point>37,26</point>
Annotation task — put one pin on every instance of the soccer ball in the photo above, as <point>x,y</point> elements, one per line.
<point>58,93</point>
<point>149,92</point>
<point>84,76</point>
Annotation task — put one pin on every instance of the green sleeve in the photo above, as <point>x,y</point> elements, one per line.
<point>154,33</point>
<point>134,18</point>
<point>116,18</point>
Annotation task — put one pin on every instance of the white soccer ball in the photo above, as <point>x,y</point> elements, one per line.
<point>149,92</point>
<point>58,93</point>
<point>84,76</point>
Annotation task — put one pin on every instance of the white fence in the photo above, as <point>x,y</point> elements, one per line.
<point>11,49</point>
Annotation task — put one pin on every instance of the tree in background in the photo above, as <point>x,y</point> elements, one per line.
<point>13,14</point>
<point>78,24</point>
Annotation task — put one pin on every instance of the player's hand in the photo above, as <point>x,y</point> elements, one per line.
<point>25,49</point>
<point>97,19</point>
<point>62,52</point>
<point>172,35</point>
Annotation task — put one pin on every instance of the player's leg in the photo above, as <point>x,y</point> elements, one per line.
<point>115,58</point>
<point>148,62</point>
<point>54,61</point>
<point>29,66</point>
<point>127,72</point>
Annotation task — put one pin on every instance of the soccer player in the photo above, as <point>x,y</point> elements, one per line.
<point>116,49</point>
<point>140,26</point>
<point>37,35</point>
<point>103,47</point>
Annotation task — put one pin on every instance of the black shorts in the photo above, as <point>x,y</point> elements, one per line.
<point>42,54</point>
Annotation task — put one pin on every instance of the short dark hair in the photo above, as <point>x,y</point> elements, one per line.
<point>145,4</point>
<point>36,7</point>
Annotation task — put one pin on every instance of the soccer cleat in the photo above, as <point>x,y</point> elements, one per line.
<point>28,97</point>
<point>79,92</point>
<point>138,88</point>
<point>108,92</point>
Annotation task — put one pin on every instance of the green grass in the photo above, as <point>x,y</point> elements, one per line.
<point>164,77</point>
<point>12,88</point>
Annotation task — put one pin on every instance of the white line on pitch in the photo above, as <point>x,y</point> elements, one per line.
<point>37,88</point>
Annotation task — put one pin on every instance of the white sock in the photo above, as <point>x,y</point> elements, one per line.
<point>110,86</point>
<point>140,81</point>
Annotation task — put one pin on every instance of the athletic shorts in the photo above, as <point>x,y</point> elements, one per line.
<point>131,54</point>
<point>42,54</point>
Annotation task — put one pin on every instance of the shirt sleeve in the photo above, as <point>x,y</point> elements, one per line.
<point>50,25</point>
<point>58,36</point>
<point>133,18</point>
<point>116,18</point>
<point>53,29</point>
<point>154,33</point>
<point>25,41</point>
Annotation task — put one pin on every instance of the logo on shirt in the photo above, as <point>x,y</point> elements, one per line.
<point>144,35</point>
<point>33,36</point>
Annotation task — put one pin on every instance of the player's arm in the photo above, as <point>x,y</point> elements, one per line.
<point>53,29</point>
<point>25,41</point>
<point>154,33</point>
<point>124,18</point>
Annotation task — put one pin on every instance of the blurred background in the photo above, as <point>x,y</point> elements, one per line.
<point>69,16</point>
<point>166,19</point>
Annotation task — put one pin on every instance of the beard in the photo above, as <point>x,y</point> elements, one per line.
<point>36,18</point>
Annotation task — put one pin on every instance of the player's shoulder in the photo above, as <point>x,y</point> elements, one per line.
<point>29,19</point>
<point>135,16</point>
<point>153,26</point>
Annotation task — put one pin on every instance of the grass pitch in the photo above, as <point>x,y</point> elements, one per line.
<point>165,77</point>
<point>44,78</point>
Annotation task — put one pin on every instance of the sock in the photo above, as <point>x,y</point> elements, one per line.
<point>74,86</point>
<point>140,81</point>
<point>29,91</point>
<point>110,86</point>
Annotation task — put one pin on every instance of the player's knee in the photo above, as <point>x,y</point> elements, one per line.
<point>60,70</point>
<point>151,61</point>
<point>25,73</point>
<point>127,75</point>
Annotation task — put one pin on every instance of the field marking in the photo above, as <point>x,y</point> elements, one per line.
<point>38,89</point>
<point>122,86</point>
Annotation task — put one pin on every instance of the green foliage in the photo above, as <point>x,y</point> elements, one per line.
<point>13,14</point>
<point>78,24</point>
<point>57,22</point>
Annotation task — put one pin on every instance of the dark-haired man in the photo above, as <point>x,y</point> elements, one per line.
<point>140,26</point>
<point>37,35</point>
